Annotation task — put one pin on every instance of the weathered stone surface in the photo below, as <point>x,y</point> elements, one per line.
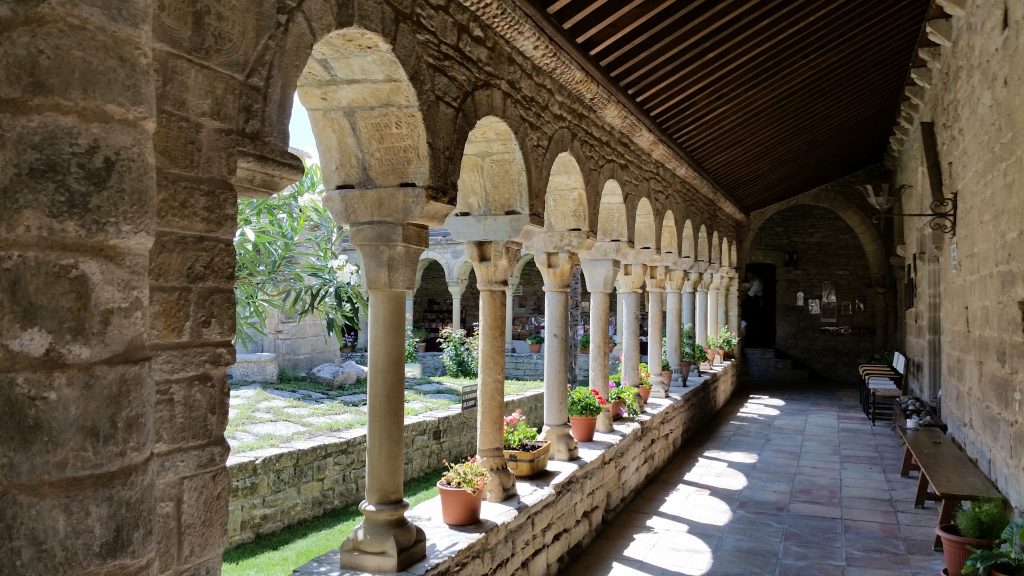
<point>338,376</point>
<point>260,367</point>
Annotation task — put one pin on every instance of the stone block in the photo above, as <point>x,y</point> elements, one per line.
<point>191,410</point>
<point>204,515</point>
<point>195,205</point>
<point>259,367</point>
<point>178,259</point>
<point>73,422</point>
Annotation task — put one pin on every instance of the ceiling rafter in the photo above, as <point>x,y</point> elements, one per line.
<point>769,97</point>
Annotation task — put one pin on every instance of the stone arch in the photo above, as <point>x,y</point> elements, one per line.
<point>688,247</point>
<point>669,236</point>
<point>644,232</point>
<point>428,257</point>
<point>365,113</point>
<point>565,199</point>
<point>702,245</point>
<point>525,259</point>
<point>828,197</point>
<point>461,271</point>
<point>492,175</point>
<point>612,225</point>
<point>716,248</point>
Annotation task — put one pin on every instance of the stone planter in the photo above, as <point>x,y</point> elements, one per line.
<point>583,427</point>
<point>413,370</point>
<point>955,547</point>
<point>526,464</point>
<point>459,507</point>
<point>535,348</point>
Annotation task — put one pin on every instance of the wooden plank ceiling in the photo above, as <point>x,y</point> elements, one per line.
<point>769,97</point>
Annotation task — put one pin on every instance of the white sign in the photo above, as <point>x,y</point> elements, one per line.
<point>953,261</point>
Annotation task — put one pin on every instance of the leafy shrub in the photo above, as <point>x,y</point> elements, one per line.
<point>459,353</point>
<point>983,519</point>
<point>411,354</point>
<point>627,395</point>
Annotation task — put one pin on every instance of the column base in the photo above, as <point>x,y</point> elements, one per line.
<point>604,422</point>
<point>563,445</point>
<point>659,389</point>
<point>502,482</point>
<point>385,541</point>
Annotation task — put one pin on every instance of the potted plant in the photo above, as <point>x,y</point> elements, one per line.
<point>623,400</point>
<point>666,371</point>
<point>419,335</point>
<point>611,344</point>
<point>643,383</point>
<point>535,340</point>
<point>693,355</point>
<point>524,454</point>
<point>584,406</point>
<point>462,489</point>
<point>348,343</point>
<point>1006,558</point>
<point>686,355</point>
<point>585,344</point>
<point>712,348</point>
<point>727,343</point>
<point>977,524</point>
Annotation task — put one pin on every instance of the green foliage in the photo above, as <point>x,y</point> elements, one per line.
<point>982,519</point>
<point>518,431</point>
<point>644,379</point>
<point>419,334</point>
<point>726,340</point>
<point>287,260</point>
<point>585,342</point>
<point>585,402</point>
<point>535,338</point>
<point>1008,553</point>
<point>468,475</point>
<point>459,353</point>
<point>411,353</point>
<point>627,395</point>
<point>689,350</point>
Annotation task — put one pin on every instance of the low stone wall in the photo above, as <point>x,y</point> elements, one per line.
<point>278,487</point>
<point>558,514</point>
<point>517,366</point>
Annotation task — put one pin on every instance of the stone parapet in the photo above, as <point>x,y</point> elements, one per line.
<point>558,514</point>
<point>277,487</point>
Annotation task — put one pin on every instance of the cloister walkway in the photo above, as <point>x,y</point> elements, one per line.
<point>784,482</point>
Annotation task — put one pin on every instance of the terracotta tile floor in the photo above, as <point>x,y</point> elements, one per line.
<point>786,482</point>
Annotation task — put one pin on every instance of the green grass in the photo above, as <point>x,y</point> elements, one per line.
<point>279,553</point>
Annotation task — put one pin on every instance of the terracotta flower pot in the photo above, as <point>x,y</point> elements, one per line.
<point>645,393</point>
<point>617,408</point>
<point>684,371</point>
<point>955,547</point>
<point>459,507</point>
<point>711,356</point>
<point>666,376</point>
<point>584,350</point>
<point>526,464</point>
<point>583,427</point>
<point>721,356</point>
<point>611,347</point>
<point>534,348</point>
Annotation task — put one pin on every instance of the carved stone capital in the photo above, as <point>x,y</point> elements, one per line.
<point>655,280</point>
<point>493,262</point>
<point>600,274</point>
<point>632,277</point>
<point>556,269</point>
<point>674,280</point>
<point>390,253</point>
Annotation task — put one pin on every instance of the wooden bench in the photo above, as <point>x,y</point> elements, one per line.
<point>952,476</point>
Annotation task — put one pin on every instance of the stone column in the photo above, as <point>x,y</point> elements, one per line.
<point>713,305</point>
<point>655,323</point>
<point>701,316</point>
<point>508,314</point>
<point>492,263</point>
<point>673,318</point>
<point>689,301</point>
<point>734,306</point>
<point>619,320</point>
<point>600,267</point>
<point>632,276</point>
<point>556,268</point>
<point>456,289</point>
<point>362,339</point>
<point>383,227</point>
<point>723,300</point>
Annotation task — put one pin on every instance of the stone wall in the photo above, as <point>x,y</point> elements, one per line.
<point>558,515</point>
<point>299,345</point>
<point>517,366</point>
<point>827,250</point>
<point>964,333</point>
<point>278,487</point>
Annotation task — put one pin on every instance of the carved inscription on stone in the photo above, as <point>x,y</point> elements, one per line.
<point>394,145</point>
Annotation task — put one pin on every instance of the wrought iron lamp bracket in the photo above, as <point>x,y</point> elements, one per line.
<point>943,215</point>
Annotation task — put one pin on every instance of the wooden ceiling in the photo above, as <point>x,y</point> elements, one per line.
<point>768,97</point>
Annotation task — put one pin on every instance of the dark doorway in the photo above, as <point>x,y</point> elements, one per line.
<point>757,311</point>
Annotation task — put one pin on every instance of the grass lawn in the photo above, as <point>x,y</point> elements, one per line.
<point>279,553</point>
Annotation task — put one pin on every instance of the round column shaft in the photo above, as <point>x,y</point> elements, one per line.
<point>599,315</point>
<point>556,367</point>
<point>491,395</point>
<point>673,301</point>
<point>701,320</point>
<point>630,338</point>
<point>655,320</point>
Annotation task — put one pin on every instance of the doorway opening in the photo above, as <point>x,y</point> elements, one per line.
<point>757,311</point>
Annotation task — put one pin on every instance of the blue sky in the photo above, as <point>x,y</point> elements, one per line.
<point>300,131</point>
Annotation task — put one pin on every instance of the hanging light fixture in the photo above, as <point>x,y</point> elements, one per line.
<point>943,212</point>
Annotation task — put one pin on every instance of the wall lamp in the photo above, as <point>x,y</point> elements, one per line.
<point>943,212</point>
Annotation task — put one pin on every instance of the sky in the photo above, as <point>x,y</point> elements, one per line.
<point>300,131</point>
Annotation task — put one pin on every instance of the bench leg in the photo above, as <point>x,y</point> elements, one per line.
<point>908,459</point>
<point>922,490</point>
<point>946,511</point>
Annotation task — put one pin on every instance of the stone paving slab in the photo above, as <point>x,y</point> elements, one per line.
<point>789,482</point>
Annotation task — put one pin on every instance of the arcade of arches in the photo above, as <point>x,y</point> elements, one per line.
<point>130,128</point>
